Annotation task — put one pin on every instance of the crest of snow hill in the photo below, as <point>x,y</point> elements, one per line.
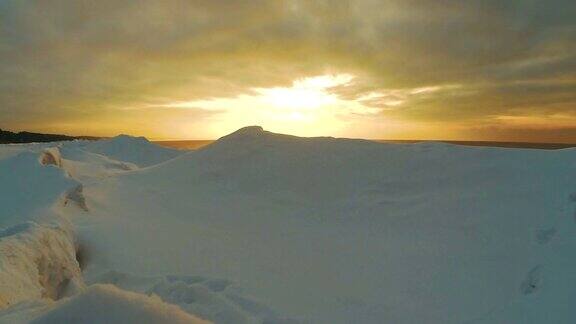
<point>246,133</point>
<point>360,232</point>
<point>136,150</point>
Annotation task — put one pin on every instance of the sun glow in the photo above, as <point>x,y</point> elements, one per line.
<point>305,94</point>
<point>309,107</point>
<point>300,99</point>
<point>295,109</point>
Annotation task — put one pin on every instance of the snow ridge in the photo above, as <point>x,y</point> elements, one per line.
<point>217,300</point>
<point>39,266</point>
<point>108,304</point>
<point>37,261</point>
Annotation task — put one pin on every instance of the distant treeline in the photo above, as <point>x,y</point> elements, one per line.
<point>27,137</point>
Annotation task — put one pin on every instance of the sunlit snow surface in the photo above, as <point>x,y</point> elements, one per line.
<point>266,228</point>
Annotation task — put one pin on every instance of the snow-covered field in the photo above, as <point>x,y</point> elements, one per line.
<point>266,228</point>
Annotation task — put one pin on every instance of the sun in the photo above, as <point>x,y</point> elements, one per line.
<point>309,106</point>
<point>296,99</point>
<point>304,95</point>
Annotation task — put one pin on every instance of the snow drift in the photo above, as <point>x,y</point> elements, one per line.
<point>107,304</point>
<point>267,228</point>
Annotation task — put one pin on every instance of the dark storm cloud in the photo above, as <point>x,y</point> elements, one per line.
<point>76,60</point>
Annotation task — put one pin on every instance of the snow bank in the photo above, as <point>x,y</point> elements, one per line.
<point>37,261</point>
<point>41,282</point>
<point>37,258</point>
<point>136,150</point>
<point>29,189</point>
<point>108,304</point>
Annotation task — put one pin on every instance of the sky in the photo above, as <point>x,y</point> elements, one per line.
<point>382,69</point>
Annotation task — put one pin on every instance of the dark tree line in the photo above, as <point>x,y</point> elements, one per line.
<point>27,137</point>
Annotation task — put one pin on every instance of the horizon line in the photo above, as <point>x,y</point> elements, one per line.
<point>151,139</point>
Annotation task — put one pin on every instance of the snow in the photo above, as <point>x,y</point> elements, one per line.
<point>108,304</point>
<point>215,299</point>
<point>26,188</point>
<point>37,261</point>
<point>268,228</point>
<point>137,150</point>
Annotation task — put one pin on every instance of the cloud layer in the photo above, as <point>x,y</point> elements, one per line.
<point>101,66</point>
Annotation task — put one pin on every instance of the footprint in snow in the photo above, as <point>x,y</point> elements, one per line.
<point>532,282</point>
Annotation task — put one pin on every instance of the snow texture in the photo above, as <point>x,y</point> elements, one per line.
<point>267,228</point>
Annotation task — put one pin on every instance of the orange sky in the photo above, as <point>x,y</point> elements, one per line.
<point>197,69</point>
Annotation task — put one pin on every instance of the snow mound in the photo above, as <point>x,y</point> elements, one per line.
<point>246,138</point>
<point>217,300</point>
<point>245,133</point>
<point>108,304</point>
<point>136,150</point>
